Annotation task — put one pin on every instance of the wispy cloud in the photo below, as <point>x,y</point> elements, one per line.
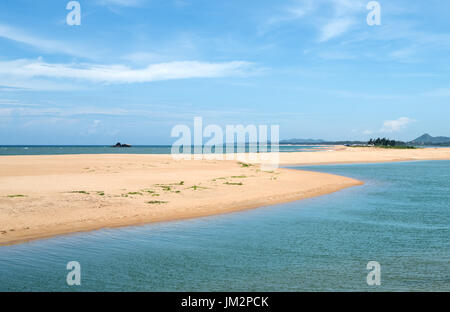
<point>9,102</point>
<point>342,19</point>
<point>443,92</point>
<point>334,28</point>
<point>45,45</point>
<point>290,13</point>
<point>124,3</point>
<point>331,18</point>
<point>120,74</point>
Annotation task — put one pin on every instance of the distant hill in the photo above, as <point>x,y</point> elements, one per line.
<point>301,141</point>
<point>427,139</point>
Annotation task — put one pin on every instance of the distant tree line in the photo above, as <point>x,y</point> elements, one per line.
<point>385,142</point>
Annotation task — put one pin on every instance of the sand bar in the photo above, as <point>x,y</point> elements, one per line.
<point>44,196</point>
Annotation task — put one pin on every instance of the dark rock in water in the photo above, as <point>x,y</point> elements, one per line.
<point>121,145</point>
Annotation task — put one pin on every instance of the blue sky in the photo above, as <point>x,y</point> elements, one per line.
<point>134,69</point>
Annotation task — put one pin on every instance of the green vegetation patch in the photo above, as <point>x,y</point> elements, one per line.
<point>79,192</point>
<point>387,143</point>
<point>233,183</point>
<point>196,187</point>
<point>244,165</point>
<point>156,202</point>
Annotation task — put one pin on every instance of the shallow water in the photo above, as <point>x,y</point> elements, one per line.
<point>400,218</point>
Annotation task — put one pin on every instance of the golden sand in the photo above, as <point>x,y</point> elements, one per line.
<point>43,196</point>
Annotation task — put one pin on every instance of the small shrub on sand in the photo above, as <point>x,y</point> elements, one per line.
<point>156,202</point>
<point>134,193</point>
<point>79,192</point>
<point>233,183</point>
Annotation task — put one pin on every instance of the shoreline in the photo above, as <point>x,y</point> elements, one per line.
<point>65,194</point>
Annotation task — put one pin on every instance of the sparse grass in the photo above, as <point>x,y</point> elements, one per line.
<point>239,177</point>
<point>154,195</point>
<point>244,165</point>
<point>101,193</point>
<point>164,187</point>
<point>196,187</point>
<point>16,196</point>
<point>148,191</point>
<point>79,192</point>
<point>134,193</point>
<point>233,183</point>
<point>181,183</point>
<point>156,202</point>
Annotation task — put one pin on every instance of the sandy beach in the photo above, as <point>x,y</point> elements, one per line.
<point>44,196</point>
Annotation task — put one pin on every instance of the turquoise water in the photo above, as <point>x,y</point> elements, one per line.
<point>400,218</point>
<point>104,149</point>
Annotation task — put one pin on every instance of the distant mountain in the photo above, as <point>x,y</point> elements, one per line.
<point>301,141</point>
<point>427,139</point>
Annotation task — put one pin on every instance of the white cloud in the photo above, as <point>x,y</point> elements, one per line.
<point>46,45</point>
<point>344,17</point>
<point>443,92</point>
<point>291,13</point>
<point>334,28</point>
<point>332,18</point>
<point>396,125</point>
<point>117,74</point>
<point>9,102</point>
